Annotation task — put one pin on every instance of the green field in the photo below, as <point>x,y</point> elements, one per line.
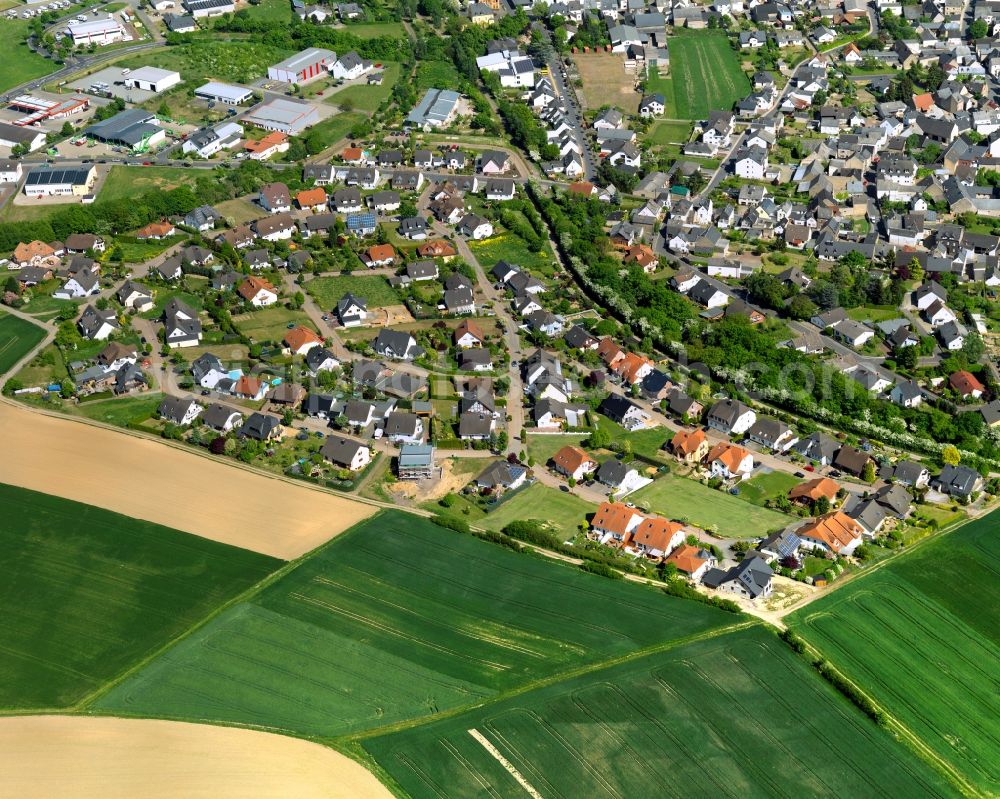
<point>17,338</point>
<point>88,593</point>
<point>270,324</point>
<point>395,620</point>
<point>371,30</point>
<point>647,441</point>
<point>435,75</point>
<point>561,511</point>
<point>374,289</point>
<point>513,249</point>
<point>333,129</point>
<point>125,182</point>
<point>120,410</point>
<point>705,75</point>
<point>669,131</point>
<point>542,446</point>
<point>19,64</point>
<point>873,313</point>
<point>274,12</point>
<point>769,485</point>
<point>922,637</point>
<point>738,715</point>
<point>362,97</point>
<point>681,498</point>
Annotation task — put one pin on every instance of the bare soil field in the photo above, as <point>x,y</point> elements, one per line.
<point>605,81</point>
<point>147,480</point>
<point>109,758</point>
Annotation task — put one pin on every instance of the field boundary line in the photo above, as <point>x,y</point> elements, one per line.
<point>544,682</point>
<point>509,767</point>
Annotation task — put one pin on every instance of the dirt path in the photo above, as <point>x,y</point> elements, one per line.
<point>145,479</point>
<point>108,758</point>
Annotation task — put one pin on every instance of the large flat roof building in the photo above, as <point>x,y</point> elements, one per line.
<point>96,31</point>
<point>224,93</point>
<point>44,181</point>
<point>208,8</point>
<point>14,135</point>
<point>152,79</point>
<point>132,127</point>
<point>285,116</point>
<point>303,67</point>
<point>436,109</point>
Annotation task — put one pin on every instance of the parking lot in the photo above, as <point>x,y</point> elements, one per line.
<point>115,80</point>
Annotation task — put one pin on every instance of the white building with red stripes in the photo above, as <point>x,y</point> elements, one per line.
<point>303,67</point>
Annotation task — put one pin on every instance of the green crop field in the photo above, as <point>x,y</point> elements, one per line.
<point>769,485</point>
<point>17,337</point>
<point>562,511</point>
<point>681,498</point>
<point>734,715</point>
<point>922,637</point>
<point>88,593</point>
<point>394,620</point>
<point>705,75</point>
<point>373,289</point>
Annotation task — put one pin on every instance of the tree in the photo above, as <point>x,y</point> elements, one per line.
<point>868,473</point>
<point>916,271</point>
<point>906,358</point>
<point>67,129</point>
<point>979,29</point>
<point>801,307</point>
<point>950,455</point>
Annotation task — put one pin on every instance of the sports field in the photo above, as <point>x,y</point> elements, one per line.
<point>683,499</point>
<point>396,620</point>
<point>738,715</point>
<point>17,337</point>
<point>705,75</point>
<point>88,593</point>
<point>922,637</point>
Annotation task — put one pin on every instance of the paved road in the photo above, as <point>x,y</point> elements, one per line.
<point>574,116</point>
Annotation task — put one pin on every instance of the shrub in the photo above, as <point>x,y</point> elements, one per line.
<point>460,525</point>
<point>602,570</point>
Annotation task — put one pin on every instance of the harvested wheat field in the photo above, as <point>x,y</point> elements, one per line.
<point>605,81</point>
<point>147,480</point>
<point>108,758</point>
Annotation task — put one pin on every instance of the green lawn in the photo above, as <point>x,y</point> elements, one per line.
<point>273,12</point>
<point>135,251</point>
<point>647,442</point>
<point>684,499</point>
<point>333,129</point>
<point>162,296</point>
<point>922,637</point>
<point>513,249</point>
<point>669,131</point>
<point>362,97</point>
<point>17,337</point>
<point>395,620</point>
<point>88,593</point>
<point>738,714</point>
<point>561,511</point>
<point>19,64</point>
<point>705,74</point>
<point>767,486</point>
<point>873,313</point>
<point>371,30</point>
<point>120,411</point>
<point>124,182</point>
<point>542,446</point>
<point>270,324</point>
<point>374,289</point>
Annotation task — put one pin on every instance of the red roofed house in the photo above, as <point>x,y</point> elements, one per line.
<point>610,352</point>
<point>379,255</point>
<point>301,339</point>
<point>614,521</point>
<point>583,188</point>
<point>812,490</point>
<point>258,292</point>
<point>727,460</point>
<point>312,200</point>
<point>692,561</point>
<point>643,255</point>
<point>468,334</point>
<point>633,368</point>
<point>438,248</point>
<point>33,253</point>
<point>923,102</point>
<point>833,533</point>
<point>966,385</point>
<point>353,155</point>
<point>573,462</point>
<point>252,388</point>
<point>655,537</point>
<point>156,230</point>
<point>689,446</point>
<point>262,149</point>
